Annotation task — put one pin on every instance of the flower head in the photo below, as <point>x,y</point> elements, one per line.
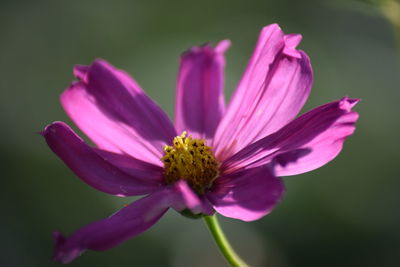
<point>212,159</point>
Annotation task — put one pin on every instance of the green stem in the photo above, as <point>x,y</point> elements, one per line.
<point>223,243</point>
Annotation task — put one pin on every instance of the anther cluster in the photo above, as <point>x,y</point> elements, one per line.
<point>191,160</point>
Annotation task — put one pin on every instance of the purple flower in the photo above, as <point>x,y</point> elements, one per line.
<point>213,159</point>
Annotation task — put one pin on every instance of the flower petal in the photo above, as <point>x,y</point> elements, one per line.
<point>323,148</point>
<point>133,166</point>
<point>273,89</point>
<point>107,233</point>
<point>307,143</point>
<point>199,96</point>
<point>248,194</point>
<point>114,112</point>
<point>94,169</point>
<point>187,199</point>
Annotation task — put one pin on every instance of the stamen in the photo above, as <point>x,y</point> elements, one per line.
<point>191,160</point>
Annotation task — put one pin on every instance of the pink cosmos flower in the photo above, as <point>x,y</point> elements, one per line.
<point>212,159</point>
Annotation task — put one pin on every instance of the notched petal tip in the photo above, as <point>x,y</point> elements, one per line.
<point>59,254</point>
<point>291,42</point>
<point>203,50</point>
<point>292,39</point>
<point>207,49</point>
<point>80,71</point>
<point>101,62</point>
<point>348,103</point>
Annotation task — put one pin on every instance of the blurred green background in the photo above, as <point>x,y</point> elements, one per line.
<point>344,214</point>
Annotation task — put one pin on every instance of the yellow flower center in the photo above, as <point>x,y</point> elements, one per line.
<point>191,160</point>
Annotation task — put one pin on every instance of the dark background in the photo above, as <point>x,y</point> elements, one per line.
<point>344,214</point>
